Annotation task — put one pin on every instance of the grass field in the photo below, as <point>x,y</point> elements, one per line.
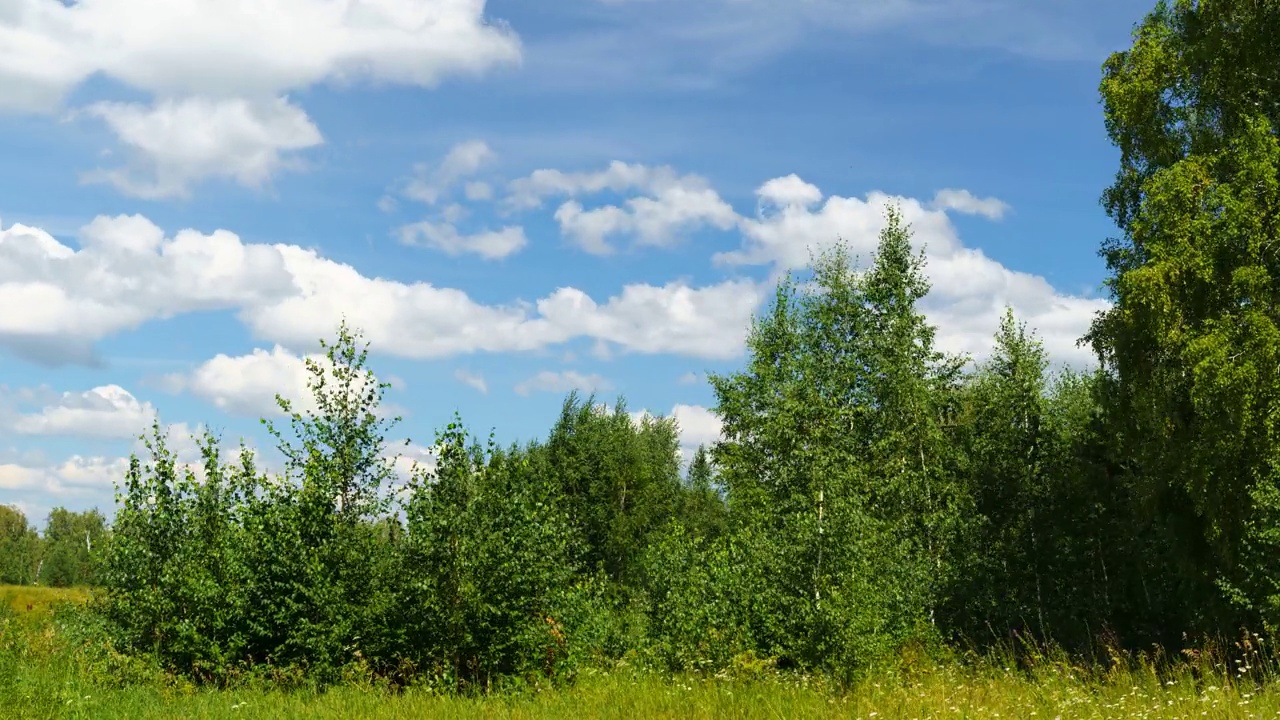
<point>42,675</point>
<point>24,599</point>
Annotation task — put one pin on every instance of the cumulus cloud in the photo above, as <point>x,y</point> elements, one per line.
<point>75,476</point>
<point>470,379</point>
<point>560,382</point>
<point>229,49</point>
<point>248,384</point>
<point>406,458</point>
<point>676,318</point>
<point>671,204</point>
<point>219,72</point>
<point>970,290</point>
<point>177,142</point>
<point>128,272</point>
<point>125,273</point>
<point>108,411</point>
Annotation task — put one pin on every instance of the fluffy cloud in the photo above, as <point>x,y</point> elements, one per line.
<point>74,476</point>
<point>419,320</point>
<point>405,459</point>
<point>247,384</point>
<point>470,379</point>
<point>671,204</point>
<point>970,290</point>
<point>439,231</point>
<point>560,382</point>
<point>127,272</point>
<point>108,411</point>
<point>530,192</point>
<point>175,143</point>
<point>698,425</point>
<point>708,322</point>
<point>219,71</point>
<point>233,49</point>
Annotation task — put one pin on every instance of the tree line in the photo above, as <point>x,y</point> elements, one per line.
<point>62,556</point>
<point>871,493</point>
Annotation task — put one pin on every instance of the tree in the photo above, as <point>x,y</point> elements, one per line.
<point>1003,585</point>
<point>72,546</point>
<point>619,480</point>
<point>1193,337</point>
<point>20,548</point>
<point>836,462</point>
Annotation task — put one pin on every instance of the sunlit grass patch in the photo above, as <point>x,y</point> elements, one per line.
<point>23,599</point>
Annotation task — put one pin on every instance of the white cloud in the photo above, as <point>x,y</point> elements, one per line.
<point>477,190</point>
<point>697,425</point>
<point>548,381</point>
<point>966,202</point>
<point>75,476</point>
<point>690,378</point>
<point>128,272</point>
<point>225,49</point>
<point>970,290</point>
<point>419,320</point>
<point>470,379</point>
<point>671,204</point>
<point>406,458</point>
<point>429,184</point>
<point>108,411</point>
<point>248,384</point>
<point>530,192</point>
<point>218,72</point>
<point>708,322</point>
<point>176,143</point>
<point>488,244</point>
<point>125,273</point>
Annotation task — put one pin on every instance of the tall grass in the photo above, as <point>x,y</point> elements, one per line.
<point>57,665</point>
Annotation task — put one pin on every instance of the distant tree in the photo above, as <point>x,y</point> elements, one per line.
<point>20,548</point>
<point>619,479</point>
<point>73,543</point>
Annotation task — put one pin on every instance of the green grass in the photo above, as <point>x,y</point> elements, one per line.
<point>946,693</point>
<point>46,672</point>
<point>40,600</point>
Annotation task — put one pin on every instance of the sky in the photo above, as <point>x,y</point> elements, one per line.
<point>509,199</point>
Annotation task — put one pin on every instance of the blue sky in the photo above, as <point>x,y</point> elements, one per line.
<point>510,199</point>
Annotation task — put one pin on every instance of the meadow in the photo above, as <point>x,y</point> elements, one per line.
<point>46,673</point>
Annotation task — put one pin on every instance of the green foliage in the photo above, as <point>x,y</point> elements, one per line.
<point>1192,337</point>
<point>490,562</point>
<point>869,498</point>
<point>72,547</point>
<point>619,480</point>
<point>20,548</point>
<point>837,464</point>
